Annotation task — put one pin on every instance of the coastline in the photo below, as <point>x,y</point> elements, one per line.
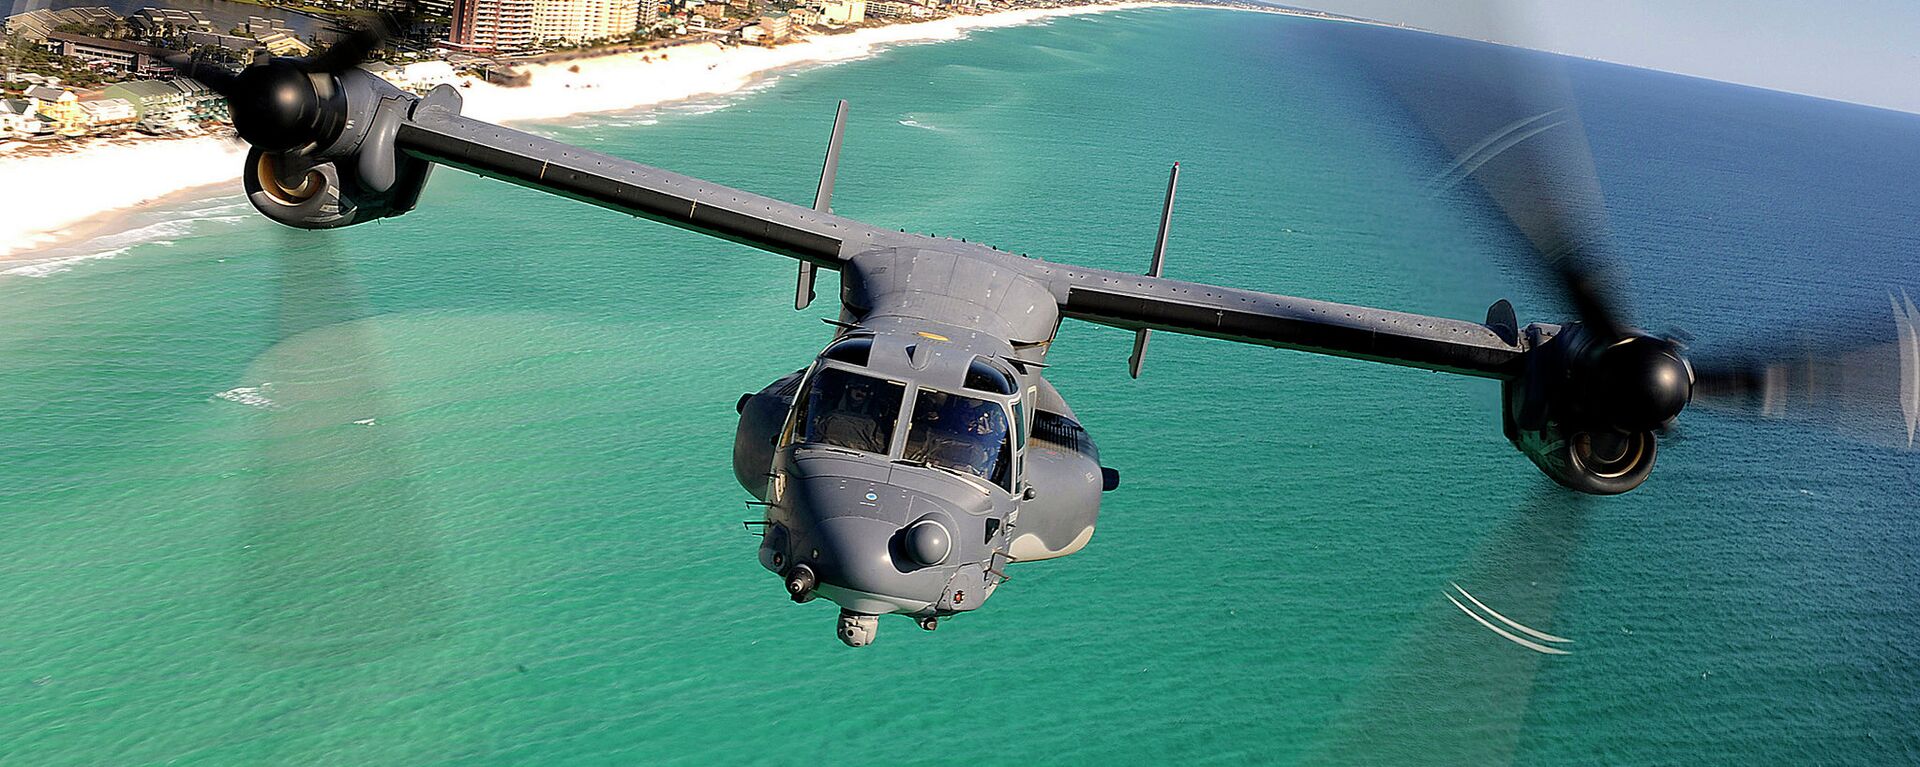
<point>69,204</point>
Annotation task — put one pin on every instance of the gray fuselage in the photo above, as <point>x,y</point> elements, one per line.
<point>887,515</point>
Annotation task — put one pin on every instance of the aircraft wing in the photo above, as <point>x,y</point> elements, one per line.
<point>440,135</point>
<point>1144,303</point>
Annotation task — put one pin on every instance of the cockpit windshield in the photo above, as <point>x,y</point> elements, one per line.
<point>961,433</point>
<point>850,410</point>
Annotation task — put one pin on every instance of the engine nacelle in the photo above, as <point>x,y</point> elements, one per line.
<point>1547,414</point>
<point>351,172</point>
<point>1592,462</point>
<point>303,194</point>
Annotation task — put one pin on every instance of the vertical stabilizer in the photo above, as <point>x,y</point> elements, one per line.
<point>1153,270</point>
<point>822,201</point>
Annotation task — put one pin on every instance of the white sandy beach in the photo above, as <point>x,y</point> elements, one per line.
<point>67,195</point>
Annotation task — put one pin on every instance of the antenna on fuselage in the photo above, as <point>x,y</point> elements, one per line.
<point>1153,270</point>
<point>822,201</point>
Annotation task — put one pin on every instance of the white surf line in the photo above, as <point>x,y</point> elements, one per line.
<point>1505,634</point>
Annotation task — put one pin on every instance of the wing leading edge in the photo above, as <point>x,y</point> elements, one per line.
<point>1136,302</point>
<point>821,238</point>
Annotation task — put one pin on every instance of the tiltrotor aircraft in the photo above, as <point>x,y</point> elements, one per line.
<point>923,451</point>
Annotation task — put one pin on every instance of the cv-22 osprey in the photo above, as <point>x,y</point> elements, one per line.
<point>923,451</point>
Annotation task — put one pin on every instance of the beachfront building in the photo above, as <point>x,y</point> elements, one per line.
<point>59,108</point>
<point>492,25</point>
<point>646,15</point>
<point>203,104</point>
<point>777,26</point>
<point>66,114</point>
<point>886,9</point>
<point>18,120</point>
<point>801,16</point>
<point>169,106</point>
<point>105,115</point>
<point>510,25</point>
<point>583,20</point>
<point>842,12</point>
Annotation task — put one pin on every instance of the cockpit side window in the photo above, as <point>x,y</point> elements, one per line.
<point>982,376</point>
<point>961,433</point>
<point>850,410</point>
<point>854,350</point>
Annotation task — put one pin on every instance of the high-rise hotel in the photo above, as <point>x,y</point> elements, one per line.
<point>508,25</point>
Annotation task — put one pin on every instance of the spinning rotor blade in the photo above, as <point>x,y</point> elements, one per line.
<point>285,104</point>
<point>1458,688</point>
<point>1509,122</point>
<point>1867,389</point>
<point>354,49</point>
<point>214,76</point>
<point>340,554</point>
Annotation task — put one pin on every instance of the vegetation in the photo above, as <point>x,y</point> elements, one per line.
<point>117,30</point>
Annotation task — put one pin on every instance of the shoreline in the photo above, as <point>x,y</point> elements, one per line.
<point>71,206</point>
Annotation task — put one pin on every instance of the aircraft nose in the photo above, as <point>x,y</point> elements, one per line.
<point>858,571</point>
<point>852,539</point>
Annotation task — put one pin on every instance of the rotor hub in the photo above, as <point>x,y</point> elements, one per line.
<point>280,106</point>
<point>1641,383</point>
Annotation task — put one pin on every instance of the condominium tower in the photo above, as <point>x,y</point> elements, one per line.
<point>507,25</point>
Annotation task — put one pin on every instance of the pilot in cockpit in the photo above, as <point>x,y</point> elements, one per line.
<point>851,422</point>
<point>959,433</point>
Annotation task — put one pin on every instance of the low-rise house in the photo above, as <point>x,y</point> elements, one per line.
<point>59,109</point>
<point>159,106</point>
<point>202,102</point>
<point>108,115</point>
<point>19,120</point>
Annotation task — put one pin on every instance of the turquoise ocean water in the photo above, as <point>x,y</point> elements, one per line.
<point>534,556</point>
